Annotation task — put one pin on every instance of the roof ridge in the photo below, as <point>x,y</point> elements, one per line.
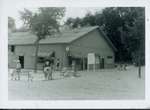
<point>59,38</point>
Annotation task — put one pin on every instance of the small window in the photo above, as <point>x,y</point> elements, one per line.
<point>109,57</point>
<point>12,48</point>
<point>41,60</point>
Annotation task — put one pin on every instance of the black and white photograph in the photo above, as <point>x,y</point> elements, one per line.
<point>71,53</point>
<point>98,53</point>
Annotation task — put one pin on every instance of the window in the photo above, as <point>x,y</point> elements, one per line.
<point>53,54</point>
<point>109,57</point>
<point>12,48</point>
<point>41,59</point>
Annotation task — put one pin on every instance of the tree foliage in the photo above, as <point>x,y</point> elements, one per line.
<point>125,26</point>
<point>44,22</point>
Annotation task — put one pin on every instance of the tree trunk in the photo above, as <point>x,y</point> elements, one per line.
<point>36,54</point>
<point>139,59</point>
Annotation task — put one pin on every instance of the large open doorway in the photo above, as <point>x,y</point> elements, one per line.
<point>81,62</point>
<point>21,58</point>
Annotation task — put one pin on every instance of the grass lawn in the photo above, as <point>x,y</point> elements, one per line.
<point>102,84</point>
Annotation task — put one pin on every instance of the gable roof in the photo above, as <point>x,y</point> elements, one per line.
<point>108,40</point>
<point>26,38</point>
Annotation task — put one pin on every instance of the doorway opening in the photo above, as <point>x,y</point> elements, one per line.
<point>21,58</point>
<point>101,63</point>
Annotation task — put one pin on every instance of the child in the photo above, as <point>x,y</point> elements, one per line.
<point>49,75</point>
<point>18,69</point>
<point>58,64</point>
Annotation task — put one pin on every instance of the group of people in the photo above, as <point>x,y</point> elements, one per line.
<point>47,70</point>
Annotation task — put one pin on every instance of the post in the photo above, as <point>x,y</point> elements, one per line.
<point>139,58</point>
<point>83,63</point>
<point>139,66</point>
<point>94,67</point>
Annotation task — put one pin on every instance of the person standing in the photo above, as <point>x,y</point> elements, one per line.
<point>48,71</point>
<point>18,69</point>
<point>46,65</point>
<point>57,64</point>
<point>74,68</point>
<point>49,75</point>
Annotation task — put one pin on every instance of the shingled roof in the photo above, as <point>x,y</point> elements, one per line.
<point>27,38</point>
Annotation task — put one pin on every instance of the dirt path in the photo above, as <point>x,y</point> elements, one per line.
<point>104,84</point>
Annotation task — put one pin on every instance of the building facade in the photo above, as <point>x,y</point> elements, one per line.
<point>68,46</point>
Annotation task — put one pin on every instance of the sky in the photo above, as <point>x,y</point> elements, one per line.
<point>70,12</point>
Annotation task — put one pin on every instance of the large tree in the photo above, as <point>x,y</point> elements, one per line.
<point>87,20</point>
<point>123,25</point>
<point>137,40</point>
<point>42,23</point>
<point>74,22</point>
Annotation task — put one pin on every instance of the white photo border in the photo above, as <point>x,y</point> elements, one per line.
<point>5,8</point>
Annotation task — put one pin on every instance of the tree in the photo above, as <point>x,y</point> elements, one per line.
<point>120,24</point>
<point>138,37</point>
<point>74,22</point>
<point>42,23</point>
<point>87,20</point>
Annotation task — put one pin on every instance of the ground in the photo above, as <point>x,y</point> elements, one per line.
<point>101,84</point>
